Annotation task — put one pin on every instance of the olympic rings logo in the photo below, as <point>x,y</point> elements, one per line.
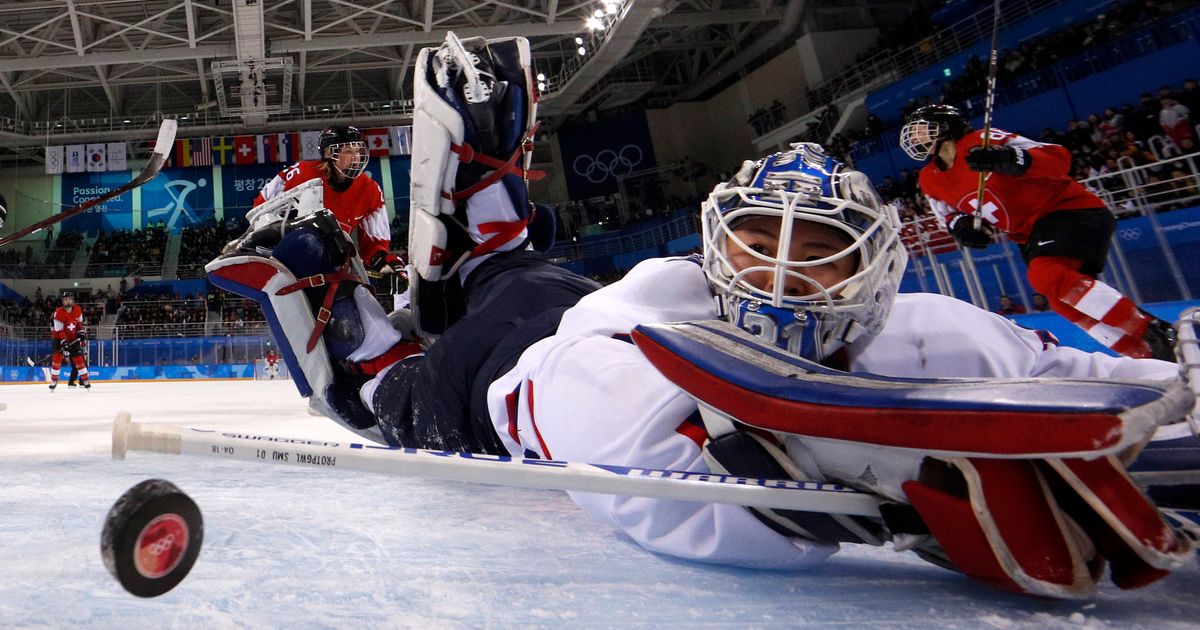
<point>608,163</point>
<point>162,545</point>
<point>1130,234</point>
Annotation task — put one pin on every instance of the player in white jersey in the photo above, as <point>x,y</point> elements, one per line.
<point>800,253</point>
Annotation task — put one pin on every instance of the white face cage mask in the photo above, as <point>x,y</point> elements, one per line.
<point>357,165</point>
<point>805,185</point>
<point>919,137</point>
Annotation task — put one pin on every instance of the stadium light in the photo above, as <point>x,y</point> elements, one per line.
<point>541,76</point>
<point>593,24</point>
<point>582,51</point>
<point>579,40</point>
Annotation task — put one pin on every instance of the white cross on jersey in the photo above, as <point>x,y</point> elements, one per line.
<point>71,327</point>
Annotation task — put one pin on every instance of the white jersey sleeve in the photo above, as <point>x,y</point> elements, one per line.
<point>933,336</point>
<point>587,394</point>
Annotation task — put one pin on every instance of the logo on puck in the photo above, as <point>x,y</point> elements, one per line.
<point>160,546</point>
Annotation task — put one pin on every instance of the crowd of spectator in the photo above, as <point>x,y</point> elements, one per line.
<point>200,244</point>
<point>765,119</point>
<point>122,252</point>
<point>1044,51</point>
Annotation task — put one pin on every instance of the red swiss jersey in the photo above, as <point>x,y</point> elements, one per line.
<point>271,358</point>
<point>67,323</point>
<point>1012,204</point>
<point>359,206</point>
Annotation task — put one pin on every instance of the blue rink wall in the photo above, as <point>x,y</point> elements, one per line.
<point>26,374</point>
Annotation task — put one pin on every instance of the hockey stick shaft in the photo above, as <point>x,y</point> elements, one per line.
<point>491,469</point>
<point>162,146</point>
<point>989,100</point>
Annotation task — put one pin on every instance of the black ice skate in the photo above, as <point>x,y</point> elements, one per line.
<point>1161,338</point>
<point>52,386</point>
<point>71,384</point>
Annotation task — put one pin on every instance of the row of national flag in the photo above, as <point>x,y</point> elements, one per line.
<point>273,148</point>
<point>86,158</point>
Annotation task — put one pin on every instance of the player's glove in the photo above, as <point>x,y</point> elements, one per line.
<point>385,263</point>
<point>962,228</point>
<point>1003,159</point>
<point>63,345</point>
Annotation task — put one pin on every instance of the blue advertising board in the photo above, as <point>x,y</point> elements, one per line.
<point>114,214</point>
<point>179,198</point>
<point>240,184</point>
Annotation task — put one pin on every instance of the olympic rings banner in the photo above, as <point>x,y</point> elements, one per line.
<point>596,154</point>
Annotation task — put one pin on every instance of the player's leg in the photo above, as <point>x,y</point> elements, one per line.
<point>473,125</point>
<point>78,366</point>
<point>56,361</point>
<point>440,402</point>
<point>1065,253</point>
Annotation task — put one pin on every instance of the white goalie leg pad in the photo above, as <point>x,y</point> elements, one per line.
<point>436,126</point>
<point>440,146</point>
<point>291,322</point>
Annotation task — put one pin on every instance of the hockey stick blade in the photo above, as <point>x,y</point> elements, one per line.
<point>491,469</point>
<point>158,157</point>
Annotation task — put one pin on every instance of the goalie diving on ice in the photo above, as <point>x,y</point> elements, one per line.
<point>993,451</point>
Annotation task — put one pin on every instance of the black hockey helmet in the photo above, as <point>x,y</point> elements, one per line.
<point>929,126</point>
<point>67,294</point>
<point>334,140</point>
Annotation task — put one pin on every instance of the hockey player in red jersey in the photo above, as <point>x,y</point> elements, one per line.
<point>353,197</point>
<point>272,364</point>
<point>1063,229</point>
<point>66,329</point>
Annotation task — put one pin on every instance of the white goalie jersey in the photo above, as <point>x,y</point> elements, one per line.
<point>588,394</point>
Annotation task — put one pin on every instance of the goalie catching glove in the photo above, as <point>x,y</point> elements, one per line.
<point>1025,496</point>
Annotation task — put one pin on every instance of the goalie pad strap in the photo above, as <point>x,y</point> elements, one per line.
<point>501,233</point>
<point>467,154</point>
<point>398,352</point>
<point>333,280</point>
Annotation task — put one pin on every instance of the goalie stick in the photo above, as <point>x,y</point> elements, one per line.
<point>500,470</point>
<point>491,469</point>
<point>162,146</point>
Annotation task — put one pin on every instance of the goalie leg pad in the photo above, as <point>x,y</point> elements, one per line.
<point>1126,527</point>
<point>361,337</point>
<point>729,370</point>
<point>473,126</point>
<point>998,523</point>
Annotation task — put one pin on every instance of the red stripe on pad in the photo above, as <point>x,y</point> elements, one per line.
<point>533,422</point>
<point>951,430</point>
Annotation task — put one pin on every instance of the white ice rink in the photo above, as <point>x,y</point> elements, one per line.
<point>288,548</point>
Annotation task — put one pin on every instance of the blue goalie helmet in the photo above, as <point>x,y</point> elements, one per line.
<point>776,293</point>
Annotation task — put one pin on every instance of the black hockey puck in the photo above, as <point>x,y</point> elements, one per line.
<point>151,537</point>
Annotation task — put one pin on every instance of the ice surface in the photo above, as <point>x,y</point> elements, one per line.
<point>302,548</point>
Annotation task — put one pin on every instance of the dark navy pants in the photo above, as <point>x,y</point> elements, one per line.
<point>439,401</point>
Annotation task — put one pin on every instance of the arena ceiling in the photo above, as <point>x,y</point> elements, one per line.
<point>82,70</point>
